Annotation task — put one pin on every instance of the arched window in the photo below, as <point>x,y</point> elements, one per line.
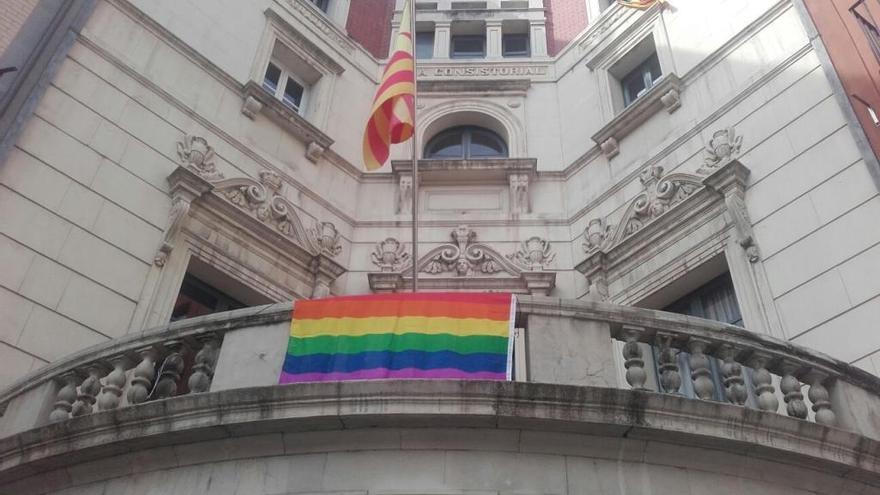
<point>466,142</point>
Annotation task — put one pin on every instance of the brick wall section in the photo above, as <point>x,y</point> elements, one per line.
<point>565,19</point>
<point>369,23</point>
<point>13,13</point>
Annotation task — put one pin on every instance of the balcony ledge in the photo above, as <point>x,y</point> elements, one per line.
<point>634,415</point>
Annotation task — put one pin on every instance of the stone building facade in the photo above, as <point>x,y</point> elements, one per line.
<point>168,160</point>
<point>146,147</point>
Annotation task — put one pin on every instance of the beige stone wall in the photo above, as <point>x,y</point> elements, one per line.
<point>12,16</point>
<point>88,200</point>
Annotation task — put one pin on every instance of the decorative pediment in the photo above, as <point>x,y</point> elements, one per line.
<point>464,264</point>
<point>660,194</point>
<point>259,209</point>
<point>669,208</point>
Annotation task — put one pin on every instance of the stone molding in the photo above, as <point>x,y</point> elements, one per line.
<point>257,100</point>
<point>464,264</point>
<point>637,415</point>
<point>259,205</point>
<point>670,203</point>
<point>319,22</point>
<point>459,172</point>
<point>666,94</point>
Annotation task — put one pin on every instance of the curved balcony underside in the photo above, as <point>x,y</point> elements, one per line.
<point>636,416</point>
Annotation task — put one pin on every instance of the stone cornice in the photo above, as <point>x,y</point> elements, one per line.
<point>493,87</point>
<point>664,94</point>
<point>543,407</point>
<point>285,117</point>
<point>491,171</point>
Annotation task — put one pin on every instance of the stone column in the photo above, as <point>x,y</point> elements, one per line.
<point>442,33</point>
<point>538,38</point>
<point>493,39</point>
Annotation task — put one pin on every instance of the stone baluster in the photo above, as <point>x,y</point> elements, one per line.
<point>818,395</point>
<point>88,392</point>
<point>142,377</point>
<point>65,398</point>
<point>169,372</point>
<point>632,353</point>
<point>791,388</point>
<point>701,374</point>
<point>203,369</point>
<point>670,374</point>
<point>763,381</point>
<point>111,392</point>
<point>731,371</point>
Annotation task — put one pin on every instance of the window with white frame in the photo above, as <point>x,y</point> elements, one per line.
<point>283,85</point>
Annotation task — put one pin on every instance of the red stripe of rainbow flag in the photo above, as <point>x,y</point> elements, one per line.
<point>401,336</point>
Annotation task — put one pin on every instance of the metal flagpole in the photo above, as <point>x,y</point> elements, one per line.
<point>415,148</point>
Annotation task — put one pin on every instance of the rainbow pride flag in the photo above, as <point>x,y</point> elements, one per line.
<point>459,336</point>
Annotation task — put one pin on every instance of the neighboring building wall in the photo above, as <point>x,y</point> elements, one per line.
<point>369,23</point>
<point>565,19</point>
<point>12,17</point>
<point>850,51</point>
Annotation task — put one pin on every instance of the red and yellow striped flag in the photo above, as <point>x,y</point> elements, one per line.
<point>640,4</point>
<point>392,118</point>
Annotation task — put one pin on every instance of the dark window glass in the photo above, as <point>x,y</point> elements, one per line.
<point>196,298</point>
<point>485,144</point>
<point>270,80</point>
<point>515,45</point>
<point>468,47</point>
<point>466,142</point>
<point>321,4</point>
<point>640,79</point>
<point>425,44</point>
<point>293,93</point>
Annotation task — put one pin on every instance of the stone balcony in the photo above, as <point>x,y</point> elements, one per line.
<point>202,391</point>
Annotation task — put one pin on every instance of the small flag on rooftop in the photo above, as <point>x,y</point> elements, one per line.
<point>640,4</point>
<point>392,118</point>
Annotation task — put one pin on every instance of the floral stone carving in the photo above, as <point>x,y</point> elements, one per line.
<point>196,155</point>
<point>596,234</point>
<point>724,146</point>
<point>326,239</point>
<point>463,258</point>
<point>390,255</point>
<point>534,254</point>
<point>661,193</point>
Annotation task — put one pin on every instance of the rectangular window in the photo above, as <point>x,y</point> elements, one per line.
<point>638,81</point>
<point>197,298</point>
<point>425,44</point>
<point>321,4</point>
<point>281,84</point>
<point>869,26</point>
<point>468,47</point>
<point>515,45</point>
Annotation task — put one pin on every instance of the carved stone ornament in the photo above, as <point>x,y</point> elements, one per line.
<point>534,254</point>
<point>464,258</point>
<point>519,194</point>
<point>661,193</point>
<point>196,155</point>
<point>390,255</point>
<point>265,200</point>
<point>404,194</point>
<point>325,237</point>
<point>314,152</point>
<point>596,234</point>
<point>740,216</point>
<point>724,146</point>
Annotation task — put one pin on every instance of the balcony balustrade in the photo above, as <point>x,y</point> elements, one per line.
<point>560,342</point>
